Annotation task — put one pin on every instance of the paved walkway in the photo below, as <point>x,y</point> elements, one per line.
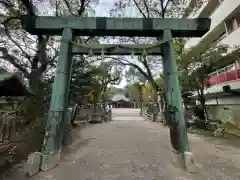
<point>134,149</point>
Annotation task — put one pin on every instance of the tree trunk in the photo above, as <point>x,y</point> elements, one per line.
<point>103,98</point>
<point>77,107</point>
<point>159,102</point>
<point>35,80</point>
<point>165,108</point>
<point>36,105</point>
<point>202,103</point>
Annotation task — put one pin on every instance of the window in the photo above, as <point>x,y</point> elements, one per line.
<point>220,37</point>
<point>233,23</point>
<point>238,20</point>
<point>229,25</point>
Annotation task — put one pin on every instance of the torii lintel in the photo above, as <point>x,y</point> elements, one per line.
<point>104,26</point>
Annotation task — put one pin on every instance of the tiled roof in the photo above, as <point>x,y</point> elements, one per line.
<point>12,85</point>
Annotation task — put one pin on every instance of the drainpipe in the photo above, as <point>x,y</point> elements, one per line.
<point>236,69</point>
<point>226,29</point>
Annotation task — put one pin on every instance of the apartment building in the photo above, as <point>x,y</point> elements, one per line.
<point>223,85</point>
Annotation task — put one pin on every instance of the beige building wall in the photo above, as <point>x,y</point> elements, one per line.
<point>226,109</point>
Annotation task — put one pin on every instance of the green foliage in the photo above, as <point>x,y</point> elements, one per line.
<point>83,78</point>
<point>87,78</point>
<point>153,8</point>
<point>134,92</point>
<point>196,69</point>
<point>160,81</point>
<point>148,89</point>
<point>133,75</point>
<point>109,74</point>
<point>33,107</point>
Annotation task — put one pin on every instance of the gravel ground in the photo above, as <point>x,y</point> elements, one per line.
<point>137,149</point>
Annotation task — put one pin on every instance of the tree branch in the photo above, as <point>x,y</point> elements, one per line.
<point>68,6</point>
<point>127,63</point>
<point>29,6</point>
<point>140,10</point>
<point>41,52</point>
<point>82,7</point>
<point>148,69</point>
<point>155,10</point>
<point>164,9</point>
<point>15,42</point>
<point>146,7</point>
<point>89,38</point>
<point>13,60</point>
<point>7,4</point>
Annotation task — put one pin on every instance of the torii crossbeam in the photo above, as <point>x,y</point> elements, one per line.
<point>70,26</point>
<point>103,26</point>
<point>116,49</point>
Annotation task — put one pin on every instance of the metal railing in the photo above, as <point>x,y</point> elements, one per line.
<point>150,111</point>
<point>223,77</point>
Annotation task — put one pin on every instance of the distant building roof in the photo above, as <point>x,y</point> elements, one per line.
<point>119,97</point>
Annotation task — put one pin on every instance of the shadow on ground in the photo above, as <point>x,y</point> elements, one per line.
<point>227,139</point>
<point>77,140</point>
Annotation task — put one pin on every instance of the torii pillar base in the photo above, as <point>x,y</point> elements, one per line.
<point>185,160</point>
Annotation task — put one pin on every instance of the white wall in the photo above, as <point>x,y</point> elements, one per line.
<point>235,85</point>
<point>217,18</point>
<point>234,100</point>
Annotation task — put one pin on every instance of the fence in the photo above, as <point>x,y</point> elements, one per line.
<point>7,128</point>
<point>223,77</point>
<point>151,111</point>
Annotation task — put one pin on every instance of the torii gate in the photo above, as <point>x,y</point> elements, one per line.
<point>69,26</point>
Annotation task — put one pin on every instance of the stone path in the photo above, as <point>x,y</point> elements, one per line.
<point>134,149</point>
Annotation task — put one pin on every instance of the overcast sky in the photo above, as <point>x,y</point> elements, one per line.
<point>102,10</point>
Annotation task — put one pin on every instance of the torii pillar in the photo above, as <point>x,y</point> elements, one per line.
<point>58,106</point>
<point>177,125</point>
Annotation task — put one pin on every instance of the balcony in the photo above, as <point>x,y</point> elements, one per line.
<point>223,78</point>
<point>195,14</point>
<point>225,9</point>
<point>232,39</point>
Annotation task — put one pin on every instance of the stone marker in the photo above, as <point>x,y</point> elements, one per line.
<point>33,163</point>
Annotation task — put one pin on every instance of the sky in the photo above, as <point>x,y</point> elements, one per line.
<point>102,10</point>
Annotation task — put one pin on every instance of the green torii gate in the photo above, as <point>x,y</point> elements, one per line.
<point>70,26</point>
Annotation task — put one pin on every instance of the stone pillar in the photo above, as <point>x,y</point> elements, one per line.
<point>141,98</point>
<point>55,123</point>
<point>160,106</point>
<point>177,125</point>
